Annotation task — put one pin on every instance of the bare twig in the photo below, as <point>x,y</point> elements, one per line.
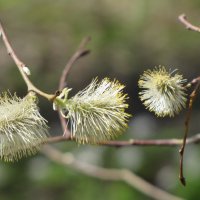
<point>183,19</point>
<point>135,142</point>
<point>195,80</point>
<point>21,66</point>
<point>81,51</point>
<point>187,120</point>
<point>66,132</point>
<point>125,175</point>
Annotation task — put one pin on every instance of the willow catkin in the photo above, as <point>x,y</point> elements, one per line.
<point>162,91</point>
<point>97,113</point>
<point>22,128</point>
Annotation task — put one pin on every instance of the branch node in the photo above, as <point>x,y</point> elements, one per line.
<point>181,150</point>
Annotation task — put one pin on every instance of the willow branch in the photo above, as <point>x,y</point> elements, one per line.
<point>190,26</point>
<point>194,81</point>
<point>21,66</point>
<point>81,51</point>
<point>67,159</point>
<point>187,121</point>
<point>136,142</point>
<point>183,19</point>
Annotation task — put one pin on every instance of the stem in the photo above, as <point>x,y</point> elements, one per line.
<point>134,142</point>
<point>183,19</point>
<point>20,65</point>
<point>80,52</point>
<point>187,120</point>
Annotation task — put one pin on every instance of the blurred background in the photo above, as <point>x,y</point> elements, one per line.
<point>128,37</point>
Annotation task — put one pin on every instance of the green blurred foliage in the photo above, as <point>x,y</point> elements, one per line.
<point>128,37</point>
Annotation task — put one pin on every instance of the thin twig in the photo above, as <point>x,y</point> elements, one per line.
<point>187,120</point>
<point>195,81</point>
<point>21,66</point>
<point>81,51</point>
<point>66,132</point>
<point>183,19</point>
<point>67,159</point>
<point>136,142</point>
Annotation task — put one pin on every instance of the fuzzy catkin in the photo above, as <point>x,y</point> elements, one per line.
<point>163,92</point>
<point>22,128</point>
<point>97,113</point>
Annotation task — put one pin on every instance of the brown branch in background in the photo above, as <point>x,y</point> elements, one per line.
<point>81,51</point>
<point>187,120</point>
<point>67,159</point>
<point>183,19</point>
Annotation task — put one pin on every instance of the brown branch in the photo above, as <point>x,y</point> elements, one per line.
<point>66,132</point>
<point>183,19</point>
<point>187,120</point>
<point>21,66</point>
<point>81,51</point>
<point>136,142</point>
<point>67,159</point>
<point>195,81</point>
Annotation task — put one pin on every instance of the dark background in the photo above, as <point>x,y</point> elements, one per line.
<point>128,37</point>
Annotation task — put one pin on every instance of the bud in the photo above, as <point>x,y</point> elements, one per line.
<point>97,113</point>
<point>163,92</point>
<point>26,70</point>
<point>22,128</point>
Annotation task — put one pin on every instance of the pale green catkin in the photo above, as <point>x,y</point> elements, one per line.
<point>162,91</point>
<point>97,113</point>
<point>22,128</point>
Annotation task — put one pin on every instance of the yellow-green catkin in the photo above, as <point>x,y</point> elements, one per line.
<point>97,113</point>
<point>22,128</point>
<point>162,92</point>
